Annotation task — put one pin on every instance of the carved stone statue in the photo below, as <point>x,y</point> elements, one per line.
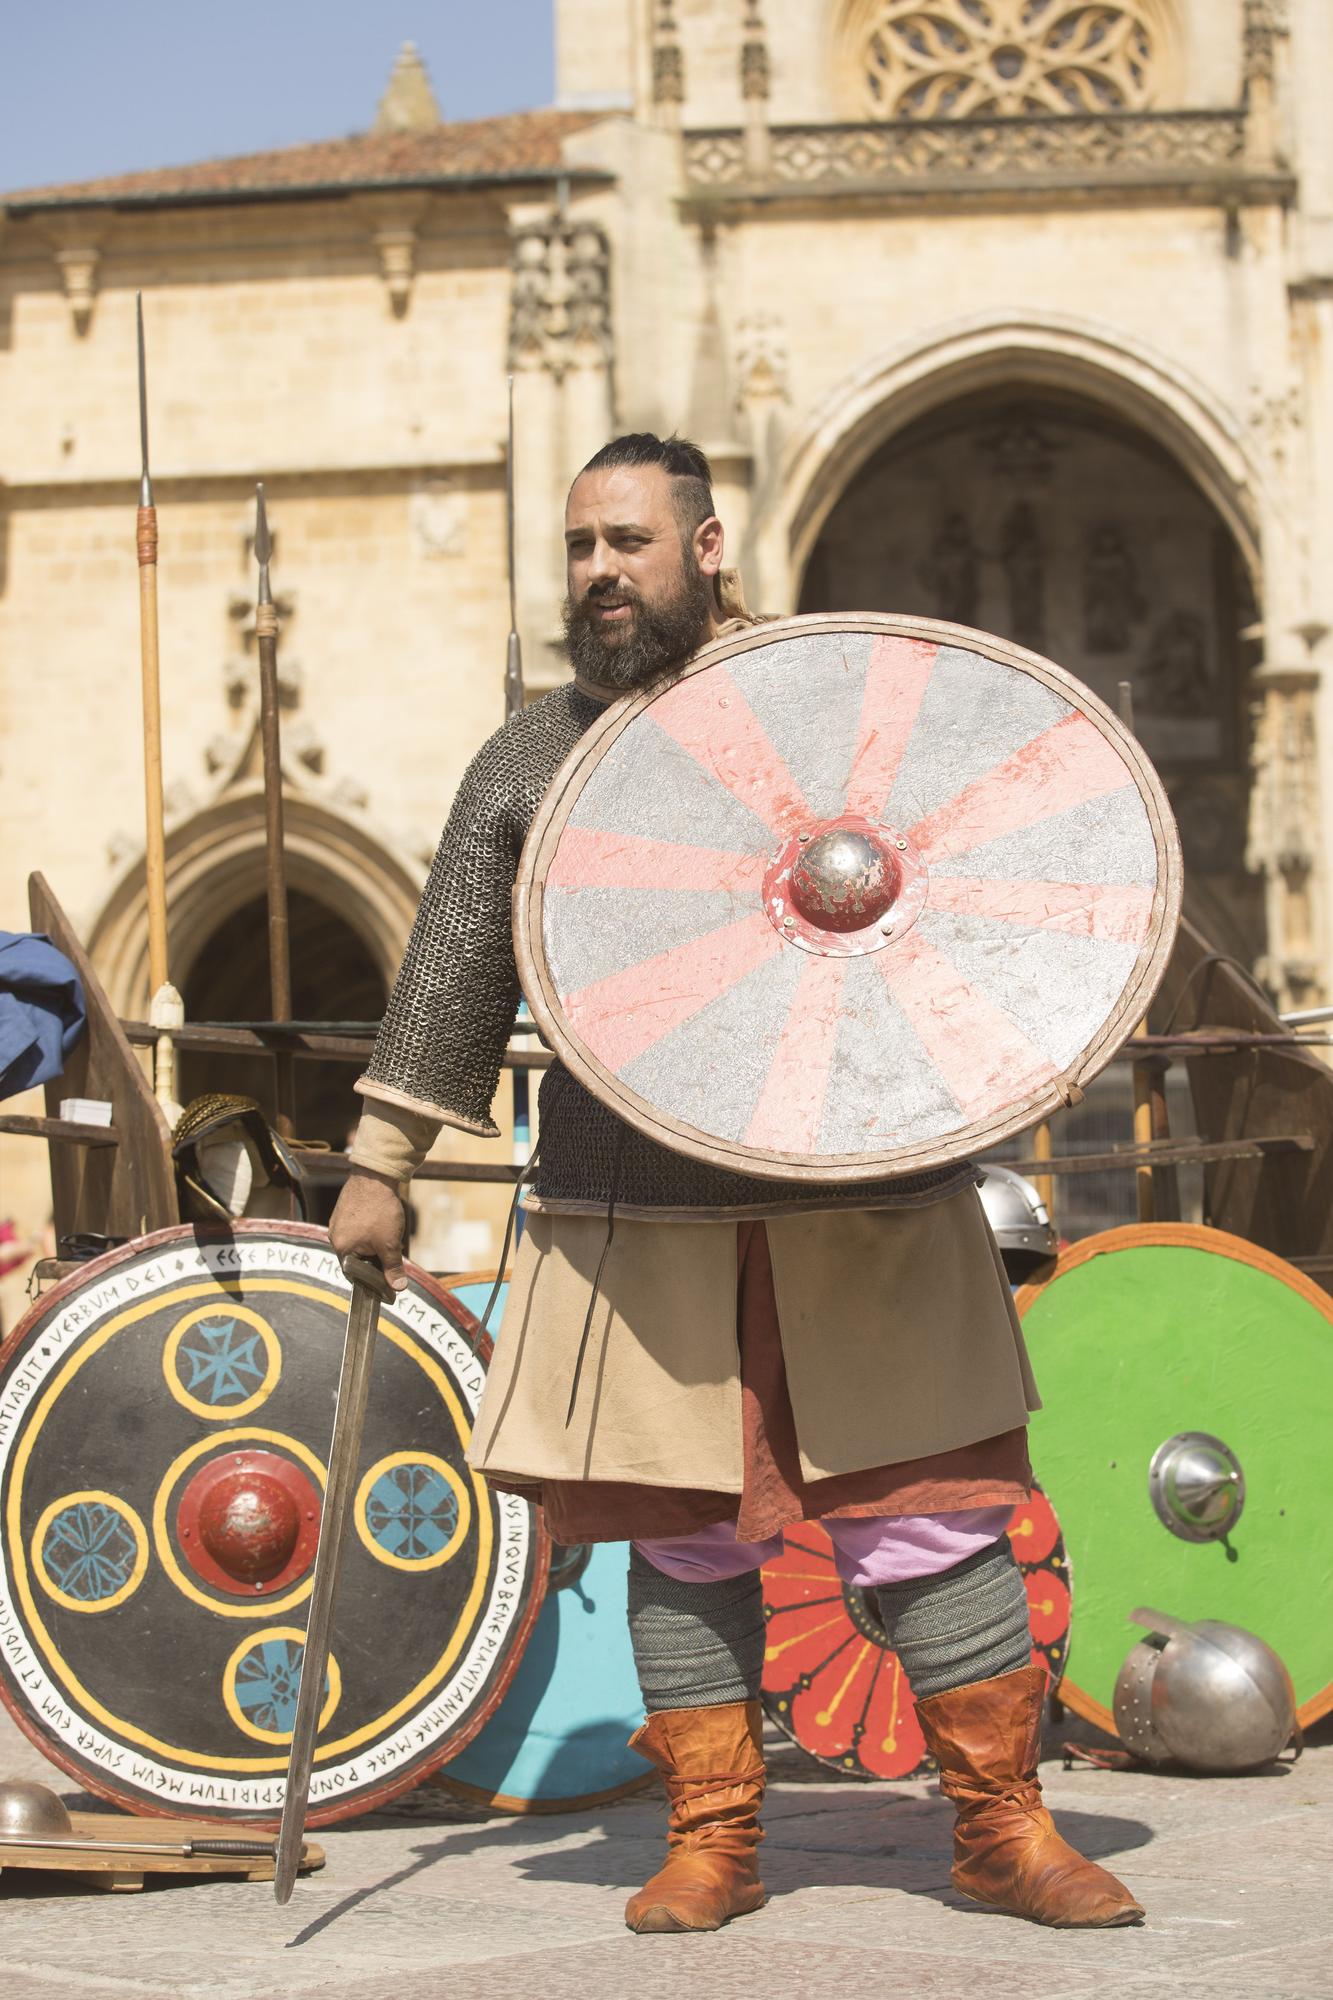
<point>1176,676</point>
<point>950,572</point>
<point>1111,600</point>
<point>1020,552</point>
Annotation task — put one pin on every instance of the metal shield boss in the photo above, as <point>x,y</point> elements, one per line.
<point>851,896</point>
<point>165,1417</point>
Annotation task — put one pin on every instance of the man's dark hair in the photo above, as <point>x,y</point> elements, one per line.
<point>684,462</point>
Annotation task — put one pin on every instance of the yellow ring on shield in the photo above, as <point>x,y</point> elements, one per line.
<point>229,1695</point>
<point>452,1481</point>
<point>93,1344</point>
<point>259,1607</point>
<point>219,1413</point>
<point>137,1568</point>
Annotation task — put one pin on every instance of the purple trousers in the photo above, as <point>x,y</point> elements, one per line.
<point>878,1549</point>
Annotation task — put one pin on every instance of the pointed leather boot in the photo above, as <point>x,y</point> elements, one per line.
<point>1007,1854</point>
<point>714,1773</point>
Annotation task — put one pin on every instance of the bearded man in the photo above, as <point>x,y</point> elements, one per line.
<point>765,1352</point>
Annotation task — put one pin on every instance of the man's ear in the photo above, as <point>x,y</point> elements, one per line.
<point>708,545</point>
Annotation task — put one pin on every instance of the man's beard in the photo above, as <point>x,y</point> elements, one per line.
<point>647,647</point>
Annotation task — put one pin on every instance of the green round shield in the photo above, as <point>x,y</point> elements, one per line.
<point>1140,1337</point>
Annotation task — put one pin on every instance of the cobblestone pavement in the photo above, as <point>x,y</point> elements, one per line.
<point>431,1899</point>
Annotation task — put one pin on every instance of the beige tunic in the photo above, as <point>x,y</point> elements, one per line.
<point>898,1335</point>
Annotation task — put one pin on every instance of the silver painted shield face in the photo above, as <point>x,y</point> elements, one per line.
<point>852,895</point>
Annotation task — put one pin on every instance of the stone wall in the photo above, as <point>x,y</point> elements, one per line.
<point>797,313</point>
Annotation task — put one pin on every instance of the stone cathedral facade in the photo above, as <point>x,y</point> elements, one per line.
<point>1018,312</point>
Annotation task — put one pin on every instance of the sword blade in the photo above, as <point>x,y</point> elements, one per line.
<point>370,1289</point>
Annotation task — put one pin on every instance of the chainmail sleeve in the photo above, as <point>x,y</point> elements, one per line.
<point>444,1032</point>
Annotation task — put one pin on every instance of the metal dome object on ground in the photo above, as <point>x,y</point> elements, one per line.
<point>851,896</point>
<point>1019,1221</point>
<point>1207,1695</point>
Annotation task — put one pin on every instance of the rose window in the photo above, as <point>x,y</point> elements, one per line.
<point>1006,58</point>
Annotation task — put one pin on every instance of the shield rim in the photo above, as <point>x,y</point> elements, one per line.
<point>566,787</point>
<point>391,1787</point>
<point>1219,1243</point>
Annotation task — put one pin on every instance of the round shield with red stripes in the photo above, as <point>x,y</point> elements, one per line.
<point>850,895</point>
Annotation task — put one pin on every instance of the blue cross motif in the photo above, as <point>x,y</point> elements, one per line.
<point>412,1512</point>
<point>89,1551</point>
<point>227,1364</point>
<point>268,1678</point>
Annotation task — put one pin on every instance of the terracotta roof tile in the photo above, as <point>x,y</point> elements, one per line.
<point>524,142</point>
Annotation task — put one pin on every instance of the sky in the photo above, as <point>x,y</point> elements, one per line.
<point>92,87</point>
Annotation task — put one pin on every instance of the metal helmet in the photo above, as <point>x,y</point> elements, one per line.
<point>1019,1222</point>
<point>1206,1695</point>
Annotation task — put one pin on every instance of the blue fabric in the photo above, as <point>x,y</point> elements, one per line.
<point>41,1010</point>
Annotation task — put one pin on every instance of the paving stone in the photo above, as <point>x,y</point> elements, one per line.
<point>429,1896</point>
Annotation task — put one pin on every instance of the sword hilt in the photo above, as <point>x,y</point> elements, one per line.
<point>368,1272</point>
<point>257,1849</point>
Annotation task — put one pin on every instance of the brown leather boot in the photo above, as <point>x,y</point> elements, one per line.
<point>714,1773</point>
<point>985,1739</point>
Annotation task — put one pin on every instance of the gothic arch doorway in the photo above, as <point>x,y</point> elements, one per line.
<point>1043,516</point>
<point>334,978</point>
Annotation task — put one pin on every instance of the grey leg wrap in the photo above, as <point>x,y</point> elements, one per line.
<point>969,1623</point>
<point>696,1645</point>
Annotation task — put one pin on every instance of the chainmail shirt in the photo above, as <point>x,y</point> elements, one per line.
<point>448,1021</point>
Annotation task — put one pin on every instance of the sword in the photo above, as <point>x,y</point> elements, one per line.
<point>370,1289</point>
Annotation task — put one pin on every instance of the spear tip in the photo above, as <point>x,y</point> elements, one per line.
<point>263,544</point>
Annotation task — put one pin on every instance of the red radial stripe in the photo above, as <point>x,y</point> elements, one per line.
<point>589,860</point>
<point>984,1059</point>
<point>790,1110</point>
<point>896,679</point>
<point>805,1648</point>
<point>1116,913</point>
<point>892,1744</point>
<point>825,1714</point>
<point>709,717</point>
<point>1068,763</point>
<point>622,1015</point>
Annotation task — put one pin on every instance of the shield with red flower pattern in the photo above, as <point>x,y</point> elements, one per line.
<point>833,1683</point>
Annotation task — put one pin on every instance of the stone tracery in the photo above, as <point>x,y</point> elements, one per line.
<point>1007,58</point>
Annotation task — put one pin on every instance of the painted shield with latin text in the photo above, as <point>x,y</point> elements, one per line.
<point>850,896</point>
<point>166,1416</point>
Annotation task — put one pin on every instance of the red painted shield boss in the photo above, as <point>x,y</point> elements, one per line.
<point>851,896</point>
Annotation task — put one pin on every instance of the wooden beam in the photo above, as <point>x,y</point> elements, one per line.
<point>1182,1152</point>
<point>124,1189</point>
<point>60,1129</point>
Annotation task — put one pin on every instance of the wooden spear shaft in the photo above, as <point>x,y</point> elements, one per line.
<point>165,1009</point>
<point>155,842</point>
<point>1149,1090</point>
<point>270,734</point>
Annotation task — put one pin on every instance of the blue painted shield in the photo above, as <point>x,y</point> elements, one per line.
<point>559,1739</point>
